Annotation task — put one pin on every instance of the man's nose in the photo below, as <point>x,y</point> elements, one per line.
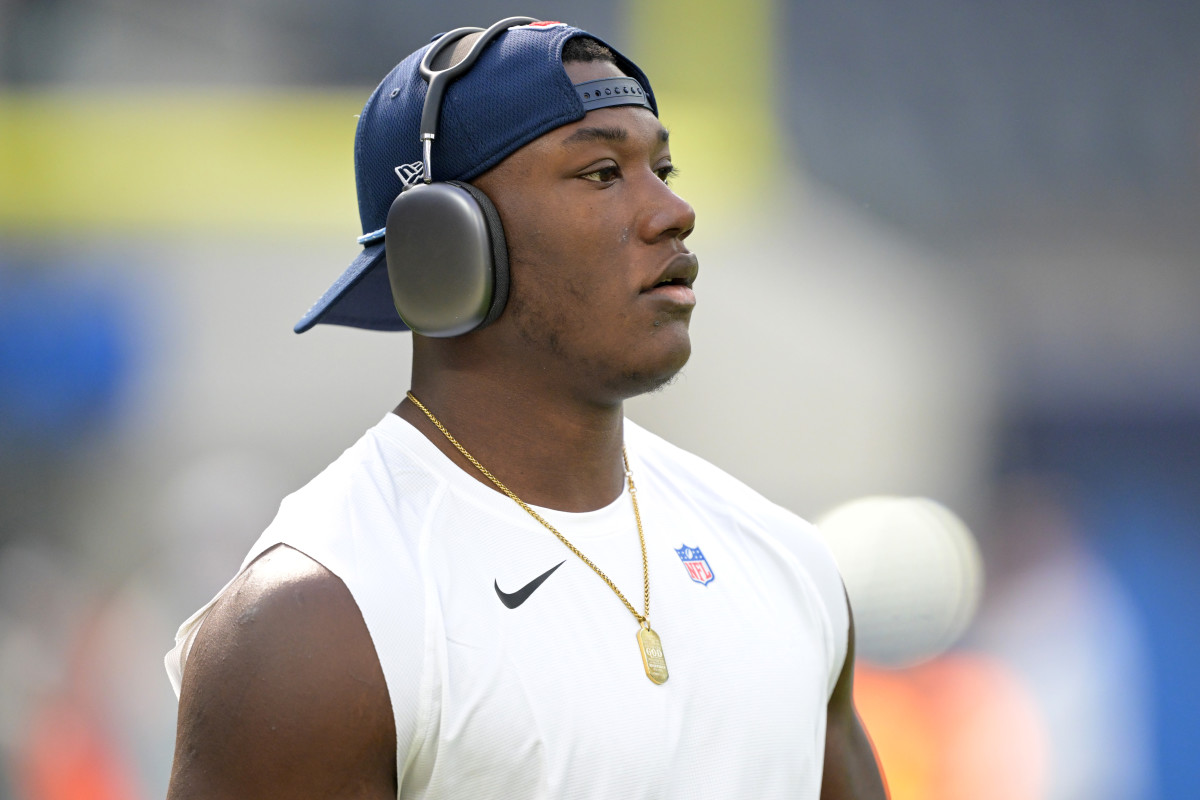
<point>669,215</point>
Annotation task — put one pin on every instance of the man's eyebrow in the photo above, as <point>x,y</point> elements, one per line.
<point>599,134</point>
<point>596,135</point>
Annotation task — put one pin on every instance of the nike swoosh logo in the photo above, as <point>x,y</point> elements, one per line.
<point>521,595</point>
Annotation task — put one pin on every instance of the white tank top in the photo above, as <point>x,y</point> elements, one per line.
<point>549,699</point>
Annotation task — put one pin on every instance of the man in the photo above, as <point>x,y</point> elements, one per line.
<point>404,628</point>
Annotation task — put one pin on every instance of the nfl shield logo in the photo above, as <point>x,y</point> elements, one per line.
<point>697,565</point>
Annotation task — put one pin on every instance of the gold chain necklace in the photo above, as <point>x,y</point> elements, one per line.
<point>649,643</point>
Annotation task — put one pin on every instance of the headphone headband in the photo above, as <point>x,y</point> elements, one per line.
<point>438,80</point>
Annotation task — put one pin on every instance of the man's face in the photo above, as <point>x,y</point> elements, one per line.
<point>601,279</point>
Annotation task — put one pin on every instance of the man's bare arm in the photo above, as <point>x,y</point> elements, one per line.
<point>283,695</point>
<point>851,772</point>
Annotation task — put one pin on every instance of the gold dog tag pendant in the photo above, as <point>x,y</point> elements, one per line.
<point>652,654</point>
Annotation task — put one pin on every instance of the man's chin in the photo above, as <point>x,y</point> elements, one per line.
<point>646,381</point>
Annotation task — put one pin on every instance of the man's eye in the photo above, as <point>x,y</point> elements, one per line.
<point>602,175</point>
<point>665,174</point>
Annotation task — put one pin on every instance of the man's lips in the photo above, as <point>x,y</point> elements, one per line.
<point>677,277</point>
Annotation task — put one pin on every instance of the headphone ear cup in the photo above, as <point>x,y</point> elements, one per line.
<point>441,245</point>
<point>499,251</point>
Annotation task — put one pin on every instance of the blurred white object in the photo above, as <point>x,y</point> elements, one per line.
<point>913,573</point>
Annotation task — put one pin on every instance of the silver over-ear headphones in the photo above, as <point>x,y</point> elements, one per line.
<point>447,258</point>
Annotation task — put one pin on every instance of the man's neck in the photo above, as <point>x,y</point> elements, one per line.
<point>550,450</point>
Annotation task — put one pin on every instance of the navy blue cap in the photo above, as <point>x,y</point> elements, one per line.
<point>516,91</point>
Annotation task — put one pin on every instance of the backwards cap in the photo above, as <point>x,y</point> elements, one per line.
<point>516,91</point>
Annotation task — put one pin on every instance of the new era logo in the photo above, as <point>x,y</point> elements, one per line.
<point>542,26</point>
<point>410,174</point>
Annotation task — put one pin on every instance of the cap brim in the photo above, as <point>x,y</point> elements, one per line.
<point>360,298</point>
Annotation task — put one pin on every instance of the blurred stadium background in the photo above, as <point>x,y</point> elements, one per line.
<point>949,250</point>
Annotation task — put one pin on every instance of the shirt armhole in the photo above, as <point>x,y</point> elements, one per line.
<point>176,659</point>
<point>818,562</point>
<point>839,617</point>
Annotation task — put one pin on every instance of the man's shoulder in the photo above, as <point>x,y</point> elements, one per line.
<point>386,468</point>
<point>702,479</point>
<point>389,445</point>
<point>656,451</point>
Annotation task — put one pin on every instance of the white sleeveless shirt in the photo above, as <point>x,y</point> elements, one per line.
<point>549,699</point>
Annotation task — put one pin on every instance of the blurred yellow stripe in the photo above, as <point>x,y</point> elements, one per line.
<point>712,63</point>
<point>223,162</point>
<point>178,160</point>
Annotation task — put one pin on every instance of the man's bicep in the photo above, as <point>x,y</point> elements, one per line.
<point>851,772</point>
<point>282,694</point>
